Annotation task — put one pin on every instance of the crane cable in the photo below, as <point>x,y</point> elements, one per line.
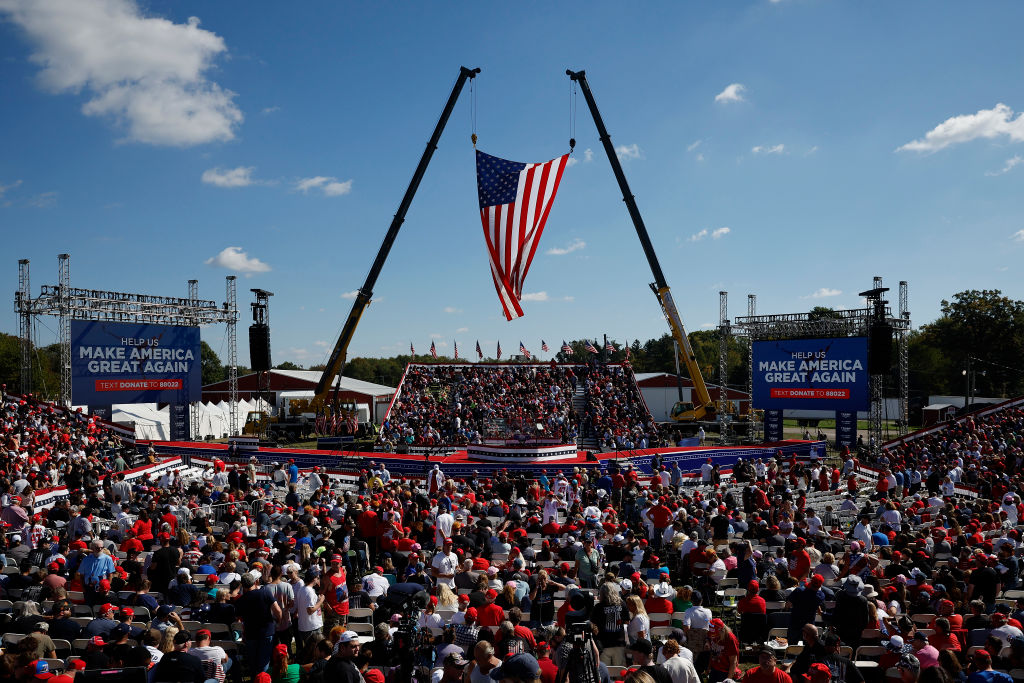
<point>572,116</point>
<point>472,110</point>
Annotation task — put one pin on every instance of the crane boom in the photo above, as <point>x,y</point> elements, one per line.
<point>336,362</point>
<point>703,405</point>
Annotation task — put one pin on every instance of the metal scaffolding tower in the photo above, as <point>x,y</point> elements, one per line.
<point>64,311</point>
<point>231,305</point>
<point>22,305</point>
<point>193,412</point>
<point>754,424</point>
<point>903,353</point>
<point>68,303</point>
<point>839,323</point>
<point>723,352</point>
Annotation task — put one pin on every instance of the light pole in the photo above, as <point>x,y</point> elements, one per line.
<point>970,382</point>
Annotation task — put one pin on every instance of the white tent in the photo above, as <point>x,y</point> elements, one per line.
<point>150,423</point>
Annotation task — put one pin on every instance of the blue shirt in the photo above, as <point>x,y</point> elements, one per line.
<point>989,677</point>
<point>94,568</point>
<point>293,474</point>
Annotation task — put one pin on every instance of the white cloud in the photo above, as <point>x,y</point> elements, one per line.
<point>1008,166</point>
<point>435,336</point>
<point>588,155</point>
<point>270,110</point>
<point>452,309</point>
<point>1018,236</point>
<point>145,72</point>
<point>986,123</point>
<point>764,149</point>
<point>572,161</point>
<point>700,156</point>
<point>461,330</point>
<point>823,293</point>
<point>230,177</point>
<point>233,258</point>
<point>717,233</point>
<point>575,245</point>
<point>328,185</point>
<point>42,200</point>
<point>732,93</point>
<point>350,295</point>
<point>535,296</point>
<point>811,151</point>
<point>4,188</point>
<point>629,152</point>
<point>321,343</point>
<point>693,145</point>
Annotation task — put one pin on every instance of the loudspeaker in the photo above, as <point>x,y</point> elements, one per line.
<point>880,349</point>
<point>259,347</point>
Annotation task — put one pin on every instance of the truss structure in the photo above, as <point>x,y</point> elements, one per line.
<point>841,323</point>
<point>69,303</point>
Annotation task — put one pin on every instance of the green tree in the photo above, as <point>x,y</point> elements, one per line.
<point>211,367</point>
<point>288,365</point>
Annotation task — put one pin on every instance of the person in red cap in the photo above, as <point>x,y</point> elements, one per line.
<point>752,603</point>
<point>491,614</point>
<point>805,602</point>
<point>819,673</point>
<point>725,652</point>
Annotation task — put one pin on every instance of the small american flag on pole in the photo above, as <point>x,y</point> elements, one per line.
<point>499,351</point>
<point>522,350</point>
<point>544,346</point>
<point>479,352</point>
<point>590,347</point>
<point>412,351</point>
<point>456,349</point>
<point>627,349</point>
<point>566,349</point>
<point>433,350</point>
<point>609,347</point>
<point>515,199</point>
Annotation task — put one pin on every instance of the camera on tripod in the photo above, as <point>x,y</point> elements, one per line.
<point>580,666</point>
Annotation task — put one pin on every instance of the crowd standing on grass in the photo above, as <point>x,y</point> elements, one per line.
<point>788,570</point>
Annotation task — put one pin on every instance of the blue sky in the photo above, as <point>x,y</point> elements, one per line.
<point>792,149</point>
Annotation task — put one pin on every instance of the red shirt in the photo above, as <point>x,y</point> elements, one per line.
<point>548,670</point>
<point>660,515</point>
<point>756,675</point>
<point>723,652</point>
<point>655,605</point>
<point>331,594</point>
<point>490,615</point>
<point>754,605</point>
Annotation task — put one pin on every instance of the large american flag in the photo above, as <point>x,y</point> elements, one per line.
<point>433,350</point>
<point>515,199</point>
<point>544,346</point>
<point>590,347</point>
<point>499,351</point>
<point>522,350</point>
<point>479,352</point>
<point>566,349</point>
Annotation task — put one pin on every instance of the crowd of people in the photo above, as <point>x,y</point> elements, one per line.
<point>788,570</point>
<point>458,405</point>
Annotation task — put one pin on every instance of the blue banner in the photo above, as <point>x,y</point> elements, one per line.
<point>811,374</point>
<point>772,425</point>
<point>134,363</point>
<point>846,428</point>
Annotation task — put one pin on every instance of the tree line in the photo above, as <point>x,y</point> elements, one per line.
<point>983,325</point>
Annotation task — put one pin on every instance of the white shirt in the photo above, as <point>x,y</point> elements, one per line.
<point>209,652</point>
<point>705,472</point>
<point>305,598</point>
<point>445,564</point>
<point>697,617</point>
<point>681,670</point>
<point>375,585</point>
<point>892,518</point>
<point>862,533</point>
<point>443,528</point>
